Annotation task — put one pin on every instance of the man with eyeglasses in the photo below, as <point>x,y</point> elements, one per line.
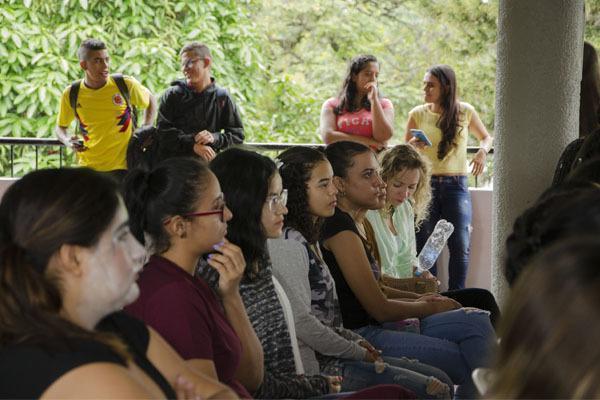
<point>103,105</point>
<point>204,111</point>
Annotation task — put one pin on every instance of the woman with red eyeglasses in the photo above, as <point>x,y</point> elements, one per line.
<point>178,211</point>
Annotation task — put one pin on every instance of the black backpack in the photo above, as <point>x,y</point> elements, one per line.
<point>120,82</point>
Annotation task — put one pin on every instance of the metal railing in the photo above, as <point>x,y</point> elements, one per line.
<point>38,143</point>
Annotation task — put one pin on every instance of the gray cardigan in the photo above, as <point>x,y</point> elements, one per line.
<point>290,263</point>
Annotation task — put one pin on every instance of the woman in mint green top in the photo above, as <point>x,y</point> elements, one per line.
<point>396,251</point>
<point>408,194</point>
<point>407,176</point>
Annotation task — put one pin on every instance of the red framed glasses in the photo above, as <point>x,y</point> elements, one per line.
<point>219,211</point>
<point>204,213</point>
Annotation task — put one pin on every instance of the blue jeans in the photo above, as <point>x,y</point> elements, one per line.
<point>451,201</point>
<point>410,374</point>
<point>455,341</point>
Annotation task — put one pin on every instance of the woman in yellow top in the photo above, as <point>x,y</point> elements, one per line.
<point>446,122</point>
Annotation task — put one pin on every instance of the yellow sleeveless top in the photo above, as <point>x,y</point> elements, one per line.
<point>455,162</point>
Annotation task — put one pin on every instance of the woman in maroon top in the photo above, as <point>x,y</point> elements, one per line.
<point>179,208</point>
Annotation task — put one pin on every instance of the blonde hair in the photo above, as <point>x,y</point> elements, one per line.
<point>402,158</point>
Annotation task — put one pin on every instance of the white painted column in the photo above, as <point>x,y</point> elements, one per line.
<point>540,48</point>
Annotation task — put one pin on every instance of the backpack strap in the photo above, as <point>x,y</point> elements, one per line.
<point>73,93</point>
<point>120,82</point>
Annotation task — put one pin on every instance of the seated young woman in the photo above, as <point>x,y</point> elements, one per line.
<point>179,207</point>
<point>299,267</point>
<point>254,186</point>
<point>454,339</point>
<point>408,194</point>
<point>254,193</point>
<point>68,262</point>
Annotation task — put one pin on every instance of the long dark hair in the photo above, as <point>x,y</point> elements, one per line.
<point>348,93</point>
<point>296,169</point>
<point>449,122</point>
<point>340,155</point>
<point>38,214</point>
<point>173,187</point>
<point>245,177</point>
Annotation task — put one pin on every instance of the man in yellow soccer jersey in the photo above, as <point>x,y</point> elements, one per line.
<point>103,106</point>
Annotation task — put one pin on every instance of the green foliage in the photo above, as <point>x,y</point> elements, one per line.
<point>592,22</point>
<point>281,59</point>
<point>311,46</point>
<point>40,41</point>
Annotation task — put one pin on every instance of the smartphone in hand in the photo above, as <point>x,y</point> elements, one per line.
<point>77,144</point>
<point>419,134</point>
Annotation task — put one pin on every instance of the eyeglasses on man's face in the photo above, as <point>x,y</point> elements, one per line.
<point>185,64</point>
<point>277,200</point>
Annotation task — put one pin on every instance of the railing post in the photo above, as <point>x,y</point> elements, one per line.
<point>36,157</point>
<point>60,156</point>
<point>12,160</point>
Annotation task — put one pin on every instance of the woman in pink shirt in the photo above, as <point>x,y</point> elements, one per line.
<point>359,113</point>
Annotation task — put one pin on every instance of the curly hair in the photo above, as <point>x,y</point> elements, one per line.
<point>402,158</point>
<point>348,92</point>
<point>449,122</point>
<point>295,170</point>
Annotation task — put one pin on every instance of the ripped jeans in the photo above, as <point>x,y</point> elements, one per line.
<point>455,341</point>
<point>410,374</point>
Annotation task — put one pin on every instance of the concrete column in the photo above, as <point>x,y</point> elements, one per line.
<point>540,49</point>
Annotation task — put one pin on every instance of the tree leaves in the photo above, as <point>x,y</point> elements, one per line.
<point>279,59</point>
<point>40,41</point>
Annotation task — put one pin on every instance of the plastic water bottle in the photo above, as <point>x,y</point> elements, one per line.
<point>434,245</point>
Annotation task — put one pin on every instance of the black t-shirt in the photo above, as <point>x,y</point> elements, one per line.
<point>353,314</point>
<point>27,370</point>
